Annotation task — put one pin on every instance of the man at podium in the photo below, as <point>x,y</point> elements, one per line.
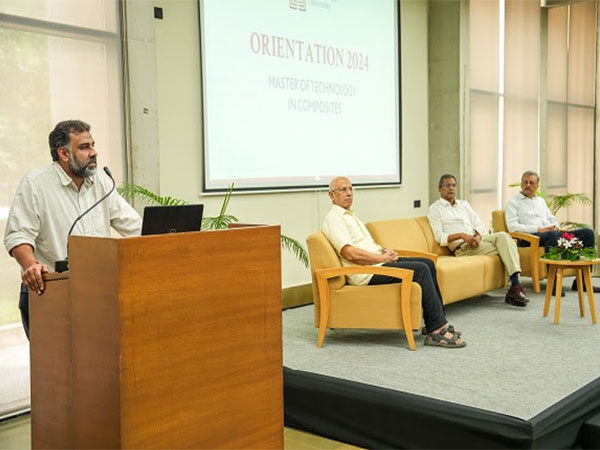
<point>66,197</point>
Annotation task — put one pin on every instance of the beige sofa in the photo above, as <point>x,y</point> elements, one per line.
<point>459,278</point>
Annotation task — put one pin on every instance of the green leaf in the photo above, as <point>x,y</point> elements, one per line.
<point>221,222</point>
<point>557,202</point>
<point>554,254</point>
<point>133,191</point>
<point>296,248</point>
<point>218,223</point>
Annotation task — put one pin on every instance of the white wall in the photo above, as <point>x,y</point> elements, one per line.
<point>179,111</point>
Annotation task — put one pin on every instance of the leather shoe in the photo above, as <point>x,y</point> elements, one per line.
<point>515,296</point>
<point>574,287</point>
<point>521,292</point>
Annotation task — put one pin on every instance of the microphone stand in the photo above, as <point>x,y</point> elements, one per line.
<point>63,264</point>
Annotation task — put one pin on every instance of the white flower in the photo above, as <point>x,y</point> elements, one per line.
<point>564,243</point>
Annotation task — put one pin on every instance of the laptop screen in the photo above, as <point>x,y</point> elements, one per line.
<point>171,219</point>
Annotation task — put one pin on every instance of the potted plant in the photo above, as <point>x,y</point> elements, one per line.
<point>222,221</point>
<point>570,248</point>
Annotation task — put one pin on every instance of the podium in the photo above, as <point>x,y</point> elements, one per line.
<point>166,341</point>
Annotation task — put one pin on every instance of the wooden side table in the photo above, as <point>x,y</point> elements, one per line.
<point>582,272</point>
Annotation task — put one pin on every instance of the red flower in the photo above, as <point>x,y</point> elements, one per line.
<point>568,236</point>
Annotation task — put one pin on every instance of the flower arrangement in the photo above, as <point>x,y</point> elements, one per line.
<point>570,248</point>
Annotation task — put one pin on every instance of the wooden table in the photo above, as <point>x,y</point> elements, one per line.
<point>582,272</point>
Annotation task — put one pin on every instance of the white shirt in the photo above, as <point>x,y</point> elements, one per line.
<point>342,227</point>
<point>446,219</point>
<point>526,214</point>
<point>47,203</point>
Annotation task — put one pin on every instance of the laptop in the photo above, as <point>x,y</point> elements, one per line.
<point>171,219</point>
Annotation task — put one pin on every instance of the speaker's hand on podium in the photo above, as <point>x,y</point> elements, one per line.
<point>32,277</point>
<point>32,269</point>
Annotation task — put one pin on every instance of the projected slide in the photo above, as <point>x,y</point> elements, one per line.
<point>298,91</point>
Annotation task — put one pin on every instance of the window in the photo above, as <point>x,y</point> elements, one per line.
<point>532,74</point>
<point>570,104</point>
<point>58,60</point>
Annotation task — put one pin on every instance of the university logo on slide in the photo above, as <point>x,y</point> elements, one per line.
<point>300,5</point>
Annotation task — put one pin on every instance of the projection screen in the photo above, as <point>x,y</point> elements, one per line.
<point>298,91</point>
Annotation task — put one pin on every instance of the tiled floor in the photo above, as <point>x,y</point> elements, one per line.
<point>15,435</point>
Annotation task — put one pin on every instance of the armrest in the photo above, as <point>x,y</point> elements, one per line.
<point>534,241</point>
<point>325,274</point>
<point>416,254</point>
<point>526,237</point>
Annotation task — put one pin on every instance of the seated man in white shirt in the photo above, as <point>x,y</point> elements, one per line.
<point>527,212</point>
<point>49,199</point>
<point>455,225</point>
<point>355,246</point>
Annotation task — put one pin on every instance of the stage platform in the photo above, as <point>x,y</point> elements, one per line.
<point>521,382</point>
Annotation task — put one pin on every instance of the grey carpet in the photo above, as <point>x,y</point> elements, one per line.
<point>516,361</point>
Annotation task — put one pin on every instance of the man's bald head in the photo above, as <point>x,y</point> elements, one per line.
<point>340,192</point>
<point>335,182</point>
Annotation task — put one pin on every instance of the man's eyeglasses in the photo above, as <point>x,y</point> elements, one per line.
<point>448,185</point>
<point>343,189</point>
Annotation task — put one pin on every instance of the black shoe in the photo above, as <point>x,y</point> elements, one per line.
<point>574,287</point>
<point>515,296</point>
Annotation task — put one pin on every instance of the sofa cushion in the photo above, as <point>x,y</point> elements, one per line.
<point>460,277</point>
<point>351,308</point>
<point>404,234</point>
<point>494,273</point>
<point>432,245</point>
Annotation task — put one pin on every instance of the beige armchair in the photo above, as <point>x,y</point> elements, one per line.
<point>529,256</point>
<point>340,305</point>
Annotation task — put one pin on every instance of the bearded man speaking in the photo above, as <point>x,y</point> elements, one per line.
<point>49,200</point>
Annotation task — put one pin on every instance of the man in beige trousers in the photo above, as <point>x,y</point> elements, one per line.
<point>456,226</point>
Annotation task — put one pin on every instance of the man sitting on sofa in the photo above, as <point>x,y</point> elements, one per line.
<point>457,226</point>
<point>528,213</point>
<point>355,246</point>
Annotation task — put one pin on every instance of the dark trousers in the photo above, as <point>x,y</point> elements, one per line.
<point>550,238</point>
<point>426,276</point>
<point>24,308</point>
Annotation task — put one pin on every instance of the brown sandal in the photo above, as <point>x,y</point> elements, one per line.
<point>450,329</point>
<point>439,340</point>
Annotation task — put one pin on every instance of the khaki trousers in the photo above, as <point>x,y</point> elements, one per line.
<point>495,244</point>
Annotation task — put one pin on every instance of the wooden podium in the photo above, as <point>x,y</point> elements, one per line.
<point>167,341</point>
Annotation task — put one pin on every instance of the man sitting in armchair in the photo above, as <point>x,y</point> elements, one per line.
<point>527,212</point>
<point>355,246</point>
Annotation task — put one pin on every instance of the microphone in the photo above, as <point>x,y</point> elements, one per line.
<point>63,264</point>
